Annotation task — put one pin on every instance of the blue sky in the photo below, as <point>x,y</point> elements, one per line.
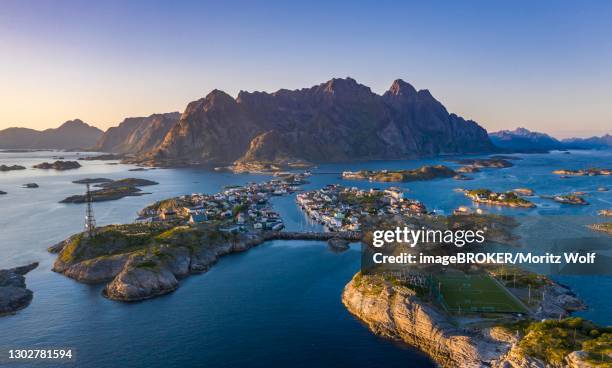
<point>545,65</point>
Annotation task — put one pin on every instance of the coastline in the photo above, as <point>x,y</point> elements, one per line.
<point>397,312</point>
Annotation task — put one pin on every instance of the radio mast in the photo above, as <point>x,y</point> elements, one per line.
<point>90,221</point>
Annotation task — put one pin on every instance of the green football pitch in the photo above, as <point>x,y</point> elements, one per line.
<point>475,293</point>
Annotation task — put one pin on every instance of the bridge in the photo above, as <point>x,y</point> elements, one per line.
<point>351,236</point>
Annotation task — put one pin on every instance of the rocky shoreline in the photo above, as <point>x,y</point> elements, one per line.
<point>13,292</point>
<point>143,274</point>
<point>398,313</point>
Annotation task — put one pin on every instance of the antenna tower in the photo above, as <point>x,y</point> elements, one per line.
<point>90,221</point>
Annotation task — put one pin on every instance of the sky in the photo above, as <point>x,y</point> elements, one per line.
<point>544,65</point>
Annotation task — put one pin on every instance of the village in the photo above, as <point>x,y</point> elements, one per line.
<point>339,208</point>
<point>235,209</point>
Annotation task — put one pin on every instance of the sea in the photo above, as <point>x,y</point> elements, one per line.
<point>276,305</point>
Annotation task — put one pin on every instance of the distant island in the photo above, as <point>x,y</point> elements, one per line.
<point>584,172</point>
<point>11,168</point>
<point>93,181</point>
<point>569,199</point>
<point>71,134</point>
<point>58,165</point>
<point>487,196</point>
<point>103,157</point>
<point>492,162</point>
<point>110,189</point>
<point>422,173</point>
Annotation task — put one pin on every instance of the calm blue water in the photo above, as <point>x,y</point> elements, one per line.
<point>275,305</point>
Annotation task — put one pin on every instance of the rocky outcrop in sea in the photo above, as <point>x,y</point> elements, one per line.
<point>58,165</point>
<point>13,292</point>
<point>138,275</point>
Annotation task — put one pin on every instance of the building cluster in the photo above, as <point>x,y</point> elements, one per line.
<point>235,209</point>
<point>341,209</point>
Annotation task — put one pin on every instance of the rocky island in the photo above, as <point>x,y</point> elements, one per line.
<point>104,157</point>
<point>491,162</point>
<point>58,165</point>
<point>13,292</point>
<point>583,172</point>
<point>141,261</point>
<point>570,199</point>
<point>510,199</point>
<point>604,227</point>
<point>92,181</point>
<point>11,168</point>
<point>245,166</point>
<point>422,173</point>
<point>468,169</point>
<point>524,191</point>
<point>2,192</point>
<point>111,190</point>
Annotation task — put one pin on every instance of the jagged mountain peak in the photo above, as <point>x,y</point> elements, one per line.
<point>218,96</point>
<point>401,88</point>
<point>344,88</point>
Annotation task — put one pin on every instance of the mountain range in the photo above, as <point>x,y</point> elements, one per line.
<point>138,134</point>
<point>339,120</point>
<point>603,142</point>
<point>71,134</point>
<point>524,140</point>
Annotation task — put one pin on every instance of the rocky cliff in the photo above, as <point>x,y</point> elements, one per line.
<point>71,134</point>
<point>397,312</point>
<point>137,134</point>
<point>340,120</point>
